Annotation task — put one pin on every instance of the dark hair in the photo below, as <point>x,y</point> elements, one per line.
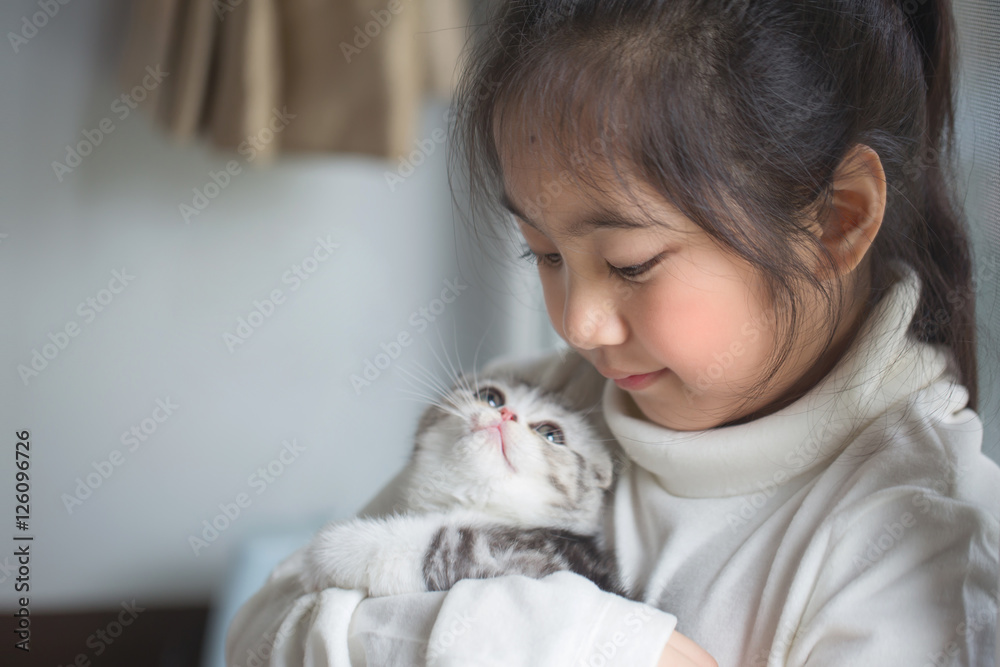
<point>738,112</point>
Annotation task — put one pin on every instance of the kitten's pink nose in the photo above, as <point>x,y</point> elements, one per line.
<point>506,413</point>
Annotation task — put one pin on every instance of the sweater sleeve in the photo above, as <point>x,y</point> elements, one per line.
<point>283,626</point>
<point>561,620</point>
<point>906,577</point>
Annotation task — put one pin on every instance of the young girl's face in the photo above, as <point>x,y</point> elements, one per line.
<point>649,299</point>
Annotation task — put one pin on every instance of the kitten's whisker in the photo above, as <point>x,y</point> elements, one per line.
<point>430,383</point>
<point>442,402</point>
<point>456,379</point>
<point>431,380</point>
<point>419,399</point>
<point>411,377</point>
<point>458,358</point>
<point>427,376</point>
<point>434,399</point>
<point>475,356</point>
<point>441,406</point>
<point>420,394</point>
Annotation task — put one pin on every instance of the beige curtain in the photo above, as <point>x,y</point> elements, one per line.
<point>294,75</point>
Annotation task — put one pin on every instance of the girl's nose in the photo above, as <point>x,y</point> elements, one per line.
<point>507,414</point>
<point>591,319</point>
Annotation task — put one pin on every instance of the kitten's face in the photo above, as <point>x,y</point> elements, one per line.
<point>512,450</point>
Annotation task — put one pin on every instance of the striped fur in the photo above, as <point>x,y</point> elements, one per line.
<point>464,552</point>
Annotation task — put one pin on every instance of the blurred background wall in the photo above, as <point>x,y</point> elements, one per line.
<point>162,348</point>
<point>161,406</point>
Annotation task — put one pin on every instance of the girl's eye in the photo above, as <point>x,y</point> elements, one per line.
<point>634,271</point>
<point>550,432</point>
<point>491,396</point>
<point>545,259</point>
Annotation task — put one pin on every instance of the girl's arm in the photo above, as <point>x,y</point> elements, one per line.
<point>561,620</point>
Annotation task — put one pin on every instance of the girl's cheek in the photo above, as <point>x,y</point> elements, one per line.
<point>686,322</point>
<point>701,339</point>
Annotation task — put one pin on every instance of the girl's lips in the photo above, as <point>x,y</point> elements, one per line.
<point>637,382</point>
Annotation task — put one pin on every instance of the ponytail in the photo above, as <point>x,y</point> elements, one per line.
<point>940,249</point>
<point>932,26</point>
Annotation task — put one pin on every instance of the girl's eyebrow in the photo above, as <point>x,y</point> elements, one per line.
<point>508,203</point>
<point>601,219</point>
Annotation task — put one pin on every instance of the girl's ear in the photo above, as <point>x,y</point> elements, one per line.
<point>849,225</point>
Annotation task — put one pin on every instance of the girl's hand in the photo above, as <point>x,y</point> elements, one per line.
<point>682,652</point>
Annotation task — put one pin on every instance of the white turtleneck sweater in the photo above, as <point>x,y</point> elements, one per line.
<point>859,525</point>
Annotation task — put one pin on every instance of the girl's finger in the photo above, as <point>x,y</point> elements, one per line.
<point>694,654</point>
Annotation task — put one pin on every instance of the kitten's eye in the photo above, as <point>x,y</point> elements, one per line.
<point>491,396</point>
<point>551,432</point>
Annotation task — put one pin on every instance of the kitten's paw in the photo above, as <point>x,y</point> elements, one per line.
<point>378,556</point>
<point>337,557</point>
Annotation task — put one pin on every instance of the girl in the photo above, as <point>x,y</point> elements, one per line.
<point>744,231</point>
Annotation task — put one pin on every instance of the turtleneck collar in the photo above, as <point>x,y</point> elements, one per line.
<point>882,366</point>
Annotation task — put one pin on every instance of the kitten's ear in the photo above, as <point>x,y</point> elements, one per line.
<point>604,472</point>
<point>608,470</point>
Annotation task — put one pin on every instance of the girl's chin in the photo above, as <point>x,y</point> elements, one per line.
<point>673,410</point>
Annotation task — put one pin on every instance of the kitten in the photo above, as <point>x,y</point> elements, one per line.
<point>504,480</point>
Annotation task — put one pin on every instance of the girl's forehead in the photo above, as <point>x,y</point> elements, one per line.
<point>583,199</point>
<point>528,167</point>
<point>526,133</point>
<point>587,175</point>
<point>587,159</point>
